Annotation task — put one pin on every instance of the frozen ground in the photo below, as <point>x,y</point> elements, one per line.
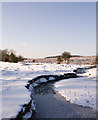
<point>14,77</point>
<point>81,91</point>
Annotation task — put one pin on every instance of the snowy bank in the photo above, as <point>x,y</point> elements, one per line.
<point>47,78</point>
<point>13,79</point>
<point>81,91</point>
<point>91,73</point>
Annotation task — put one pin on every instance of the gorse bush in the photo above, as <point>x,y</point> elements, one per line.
<point>5,55</point>
<point>66,55</point>
<point>10,56</point>
<point>59,59</point>
<point>13,58</point>
<point>20,58</point>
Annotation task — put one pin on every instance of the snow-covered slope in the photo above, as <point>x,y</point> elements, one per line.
<point>81,91</point>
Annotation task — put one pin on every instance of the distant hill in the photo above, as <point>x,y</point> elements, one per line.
<point>76,56</point>
<point>52,56</point>
<point>59,55</point>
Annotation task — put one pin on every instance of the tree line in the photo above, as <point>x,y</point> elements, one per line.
<point>10,56</point>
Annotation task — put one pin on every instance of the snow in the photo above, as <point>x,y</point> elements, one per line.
<point>29,114</point>
<point>15,76</point>
<point>80,91</point>
<point>91,73</point>
<point>51,78</point>
<point>43,80</point>
<point>33,105</point>
<point>12,98</point>
<point>35,84</point>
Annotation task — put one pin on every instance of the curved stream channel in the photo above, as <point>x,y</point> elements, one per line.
<point>50,104</point>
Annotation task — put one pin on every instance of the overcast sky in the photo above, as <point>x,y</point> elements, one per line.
<point>45,29</point>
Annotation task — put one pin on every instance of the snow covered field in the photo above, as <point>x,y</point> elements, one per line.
<point>81,91</point>
<point>14,92</point>
<point>14,77</point>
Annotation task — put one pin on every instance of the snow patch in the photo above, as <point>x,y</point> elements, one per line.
<point>81,91</point>
<point>51,78</point>
<point>43,80</point>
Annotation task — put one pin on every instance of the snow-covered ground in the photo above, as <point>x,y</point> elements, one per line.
<point>14,77</point>
<point>81,91</point>
<point>14,92</point>
<point>91,73</point>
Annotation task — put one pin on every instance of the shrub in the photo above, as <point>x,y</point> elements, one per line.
<point>20,58</point>
<point>96,61</point>
<point>9,56</point>
<point>59,59</point>
<point>5,55</point>
<point>66,56</point>
<point>33,60</point>
<point>13,58</point>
